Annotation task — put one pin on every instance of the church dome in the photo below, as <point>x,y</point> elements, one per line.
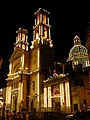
<point>78,53</point>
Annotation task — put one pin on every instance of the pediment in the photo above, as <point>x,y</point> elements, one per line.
<point>16,54</point>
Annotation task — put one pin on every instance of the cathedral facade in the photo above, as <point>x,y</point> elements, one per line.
<point>30,82</point>
<point>29,66</point>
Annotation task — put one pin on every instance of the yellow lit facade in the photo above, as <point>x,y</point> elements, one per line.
<point>8,95</point>
<point>39,55</point>
<point>27,85</point>
<point>26,68</point>
<point>62,94</point>
<point>45,97</point>
<point>57,95</point>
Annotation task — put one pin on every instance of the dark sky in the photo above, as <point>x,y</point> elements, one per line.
<point>66,20</point>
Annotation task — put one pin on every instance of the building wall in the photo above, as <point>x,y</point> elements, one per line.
<point>57,95</point>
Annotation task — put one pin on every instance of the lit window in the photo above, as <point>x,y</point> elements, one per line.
<point>23,37</point>
<point>23,46</point>
<point>45,32</point>
<point>18,36</point>
<point>44,19</point>
<point>38,19</point>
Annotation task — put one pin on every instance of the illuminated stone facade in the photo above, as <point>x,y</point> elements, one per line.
<point>68,92</point>
<point>42,57</point>
<point>29,66</point>
<point>18,77</point>
<point>32,80</point>
<point>57,94</point>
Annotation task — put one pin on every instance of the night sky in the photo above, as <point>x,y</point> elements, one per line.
<point>66,19</point>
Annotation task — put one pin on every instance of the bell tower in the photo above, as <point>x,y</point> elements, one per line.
<point>41,29</point>
<point>18,76</point>
<point>22,39</point>
<point>41,57</point>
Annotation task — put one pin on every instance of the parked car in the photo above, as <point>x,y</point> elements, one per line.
<point>79,115</point>
<point>69,117</point>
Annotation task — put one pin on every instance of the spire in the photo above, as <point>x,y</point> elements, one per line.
<point>77,40</point>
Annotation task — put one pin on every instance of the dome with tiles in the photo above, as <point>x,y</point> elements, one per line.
<point>78,52</point>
